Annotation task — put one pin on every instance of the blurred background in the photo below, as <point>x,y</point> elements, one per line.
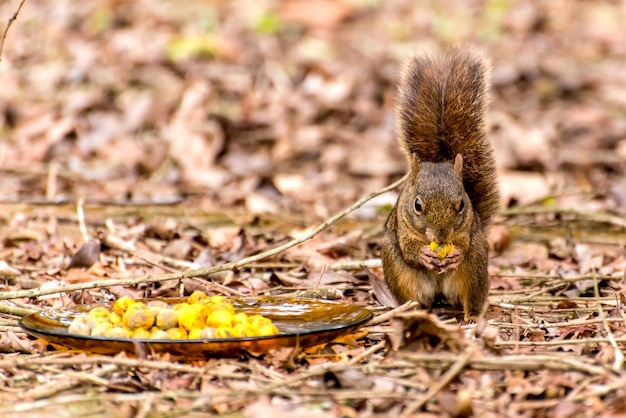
<point>288,106</point>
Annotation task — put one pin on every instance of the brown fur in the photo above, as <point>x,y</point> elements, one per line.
<point>441,125</point>
<point>441,111</point>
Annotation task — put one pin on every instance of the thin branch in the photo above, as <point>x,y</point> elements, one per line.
<point>392,313</point>
<point>512,362</point>
<point>584,216</point>
<point>452,372</point>
<point>70,381</point>
<point>200,272</point>
<point>80,214</point>
<point>556,343</point>
<point>356,264</point>
<point>6,30</point>
<point>618,361</point>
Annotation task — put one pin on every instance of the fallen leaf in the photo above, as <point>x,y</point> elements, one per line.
<point>418,328</point>
<point>317,14</point>
<point>87,255</point>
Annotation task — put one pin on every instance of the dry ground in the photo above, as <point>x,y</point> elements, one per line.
<point>186,135</point>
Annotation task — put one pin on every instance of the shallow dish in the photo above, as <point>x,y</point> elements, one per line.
<point>300,321</point>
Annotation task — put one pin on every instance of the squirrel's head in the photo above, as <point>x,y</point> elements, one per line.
<point>434,203</point>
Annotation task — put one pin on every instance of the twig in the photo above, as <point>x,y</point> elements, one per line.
<point>618,361</point>
<point>10,22</point>
<point>544,325</point>
<point>70,381</point>
<point>80,214</point>
<point>114,242</point>
<point>547,277</point>
<point>145,407</point>
<point>15,310</point>
<point>117,361</point>
<point>356,265</point>
<point>512,362</point>
<point>452,372</point>
<point>317,371</point>
<point>51,180</point>
<point>200,272</point>
<point>392,313</point>
<point>554,343</point>
<point>357,359</point>
<point>586,216</point>
<point>65,401</point>
<point>541,291</point>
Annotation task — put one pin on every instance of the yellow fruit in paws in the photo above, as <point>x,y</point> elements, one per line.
<point>442,250</point>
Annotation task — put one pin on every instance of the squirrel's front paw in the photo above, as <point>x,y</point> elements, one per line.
<point>451,262</point>
<point>432,261</point>
<point>429,259</point>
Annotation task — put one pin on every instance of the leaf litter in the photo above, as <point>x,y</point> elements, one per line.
<point>209,133</point>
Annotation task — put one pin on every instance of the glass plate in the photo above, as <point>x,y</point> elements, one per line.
<point>304,321</point>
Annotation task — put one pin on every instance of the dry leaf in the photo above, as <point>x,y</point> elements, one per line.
<point>419,328</point>
<point>86,256</point>
<point>318,14</point>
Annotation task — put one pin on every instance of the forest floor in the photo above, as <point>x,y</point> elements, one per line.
<point>168,140</point>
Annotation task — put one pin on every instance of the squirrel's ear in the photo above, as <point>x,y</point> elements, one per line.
<point>415,164</point>
<point>458,167</point>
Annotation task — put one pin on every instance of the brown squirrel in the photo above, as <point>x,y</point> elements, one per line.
<point>435,241</point>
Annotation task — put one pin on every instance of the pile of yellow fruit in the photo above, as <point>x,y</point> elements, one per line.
<point>200,316</point>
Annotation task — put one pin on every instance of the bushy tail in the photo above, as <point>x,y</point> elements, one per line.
<point>441,108</point>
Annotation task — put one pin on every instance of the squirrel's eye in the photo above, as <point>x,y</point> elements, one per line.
<point>418,205</point>
<point>461,206</point>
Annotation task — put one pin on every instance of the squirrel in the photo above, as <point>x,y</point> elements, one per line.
<point>435,241</point>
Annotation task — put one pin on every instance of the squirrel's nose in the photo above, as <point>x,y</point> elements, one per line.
<point>440,236</point>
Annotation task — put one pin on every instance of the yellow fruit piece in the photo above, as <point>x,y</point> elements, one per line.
<point>206,302</point>
<point>241,330</point>
<point>196,297</point>
<point>177,333</point>
<point>220,318</point>
<point>158,334</point>
<point>114,318</point>
<point>117,333</point>
<point>215,299</point>
<point>258,320</point>
<point>442,250</point>
<point>192,316</point>
<point>166,319</point>
<point>182,305</point>
<point>99,312</point>
<point>224,306</point>
<point>157,304</point>
<point>101,329</point>
<point>195,334</point>
<point>266,330</point>
<point>208,332</point>
<point>154,310</point>
<point>236,332</point>
<point>223,333</point>
<point>140,333</point>
<point>81,325</point>
<point>120,305</point>
<point>241,318</point>
<point>138,317</point>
